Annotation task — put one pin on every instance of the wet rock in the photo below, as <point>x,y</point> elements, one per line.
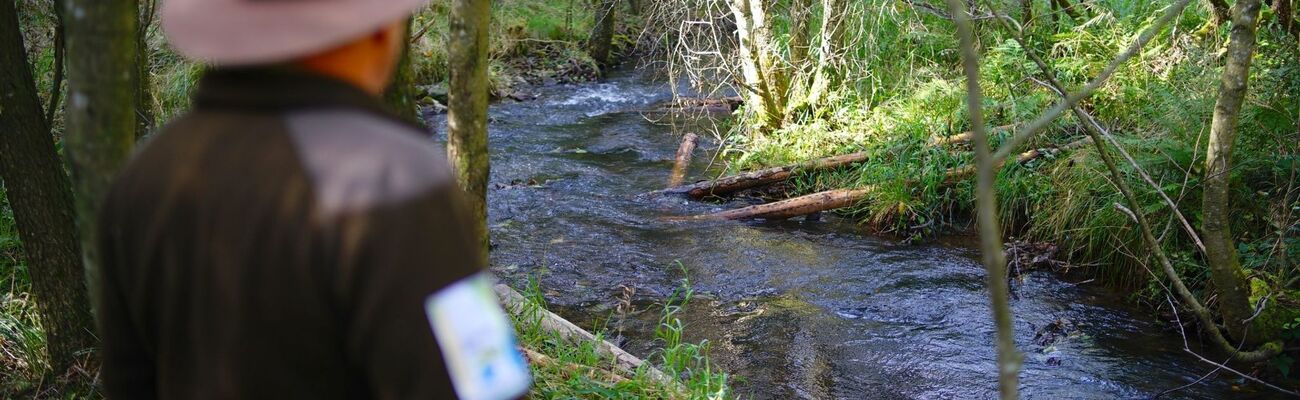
<point>519,184</point>
<point>1054,332</point>
<point>437,91</point>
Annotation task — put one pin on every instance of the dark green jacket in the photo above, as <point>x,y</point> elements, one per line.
<point>279,242</point>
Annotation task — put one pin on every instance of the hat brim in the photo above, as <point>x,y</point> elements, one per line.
<point>237,33</point>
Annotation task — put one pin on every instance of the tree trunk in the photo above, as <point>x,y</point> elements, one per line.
<point>1069,10</point>
<point>778,82</point>
<point>602,31</point>
<point>1286,18</point>
<point>467,140</point>
<point>757,87</point>
<point>1026,12</point>
<point>400,94</point>
<point>832,37</point>
<point>1218,11</point>
<point>101,111</point>
<point>1225,270</point>
<point>41,197</point>
<point>801,12</point>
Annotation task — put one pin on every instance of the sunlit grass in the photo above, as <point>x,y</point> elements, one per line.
<point>580,371</point>
<point>903,87</point>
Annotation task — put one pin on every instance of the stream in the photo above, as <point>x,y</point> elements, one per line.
<point>792,309</point>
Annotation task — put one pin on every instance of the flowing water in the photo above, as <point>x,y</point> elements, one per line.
<point>792,309</point>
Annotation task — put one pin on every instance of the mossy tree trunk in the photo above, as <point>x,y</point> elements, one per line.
<point>400,94</point>
<point>765,42</point>
<point>1221,251</point>
<point>601,39</point>
<point>101,114</point>
<point>467,140</point>
<point>831,37</point>
<point>757,64</point>
<point>41,196</point>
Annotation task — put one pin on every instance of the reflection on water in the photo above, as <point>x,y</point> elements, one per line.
<point>792,309</point>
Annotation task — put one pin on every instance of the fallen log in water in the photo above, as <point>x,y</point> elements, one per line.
<point>840,198</point>
<point>683,160</point>
<point>736,183</point>
<point>524,309</point>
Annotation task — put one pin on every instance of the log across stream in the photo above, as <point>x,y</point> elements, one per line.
<point>794,309</point>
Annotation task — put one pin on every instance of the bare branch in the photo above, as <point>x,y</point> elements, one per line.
<point>1009,359</point>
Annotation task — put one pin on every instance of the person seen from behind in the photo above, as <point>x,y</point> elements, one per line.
<point>290,237</point>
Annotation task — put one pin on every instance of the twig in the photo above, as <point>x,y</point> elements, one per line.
<point>1187,348</point>
<point>1183,332</point>
<point>423,30</point>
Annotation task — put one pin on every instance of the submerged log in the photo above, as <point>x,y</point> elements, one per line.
<point>523,309</point>
<point>841,198</point>
<point>683,162</point>
<point>736,183</point>
<point>704,104</point>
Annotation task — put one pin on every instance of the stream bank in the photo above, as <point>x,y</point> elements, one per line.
<point>791,309</point>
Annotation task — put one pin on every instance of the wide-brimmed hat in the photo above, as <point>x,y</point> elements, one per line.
<point>246,32</point>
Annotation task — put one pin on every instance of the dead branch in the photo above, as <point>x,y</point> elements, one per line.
<point>841,198</point>
<point>683,159</point>
<point>736,183</point>
<point>526,310</point>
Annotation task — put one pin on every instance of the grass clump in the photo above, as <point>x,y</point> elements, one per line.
<point>24,367</point>
<point>579,371</point>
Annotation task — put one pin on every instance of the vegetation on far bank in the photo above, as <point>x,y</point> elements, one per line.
<point>884,78</point>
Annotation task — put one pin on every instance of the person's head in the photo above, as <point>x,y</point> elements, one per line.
<point>358,41</point>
